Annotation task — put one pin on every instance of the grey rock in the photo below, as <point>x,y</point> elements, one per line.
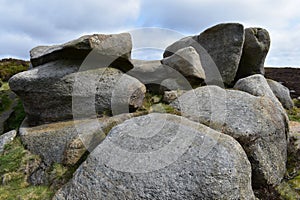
<point>255,49</point>
<point>220,50</point>
<point>162,156</point>
<point>253,121</point>
<point>257,85</point>
<point>65,142</point>
<point>58,91</point>
<point>282,93</point>
<point>158,76</point>
<point>6,138</point>
<point>187,62</point>
<point>114,49</point>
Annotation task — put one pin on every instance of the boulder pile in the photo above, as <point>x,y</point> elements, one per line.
<point>201,123</point>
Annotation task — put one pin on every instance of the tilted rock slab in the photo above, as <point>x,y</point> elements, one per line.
<point>113,49</point>
<point>220,50</point>
<point>58,91</point>
<point>187,62</point>
<point>162,156</point>
<point>255,50</point>
<point>255,122</point>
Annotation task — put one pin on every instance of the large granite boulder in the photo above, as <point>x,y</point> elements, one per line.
<point>162,156</point>
<point>282,93</point>
<point>255,49</point>
<point>187,62</point>
<point>58,90</point>
<point>219,47</point>
<point>114,49</point>
<point>253,121</point>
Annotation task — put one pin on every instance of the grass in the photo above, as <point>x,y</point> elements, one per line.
<point>14,165</point>
<point>294,113</point>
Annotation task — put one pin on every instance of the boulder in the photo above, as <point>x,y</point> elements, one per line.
<point>157,76</point>
<point>282,93</point>
<point>57,90</point>
<point>6,138</point>
<point>187,62</point>
<point>114,49</point>
<point>65,142</point>
<point>219,47</point>
<point>257,85</point>
<point>255,49</point>
<point>162,156</point>
<point>253,121</point>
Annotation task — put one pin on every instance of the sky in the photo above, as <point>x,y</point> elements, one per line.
<point>26,24</point>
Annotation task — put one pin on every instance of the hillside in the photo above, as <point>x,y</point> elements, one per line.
<point>287,76</point>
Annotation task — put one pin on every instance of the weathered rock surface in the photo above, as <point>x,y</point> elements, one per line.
<point>187,62</point>
<point>158,76</point>
<point>56,91</point>
<point>255,49</point>
<point>114,49</point>
<point>6,138</point>
<point>257,85</point>
<point>219,46</point>
<point>282,93</point>
<point>65,142</point>
<point>253,121</point>
<point>144,158</point>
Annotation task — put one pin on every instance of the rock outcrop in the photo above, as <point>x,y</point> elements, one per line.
<point>144,158</point>
<point>253,121</point>
<point>255,49</point>
<point>219,46</point>
<point>226,142</point>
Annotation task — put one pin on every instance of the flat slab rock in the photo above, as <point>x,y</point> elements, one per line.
<point>162,156</point>
<point>112,47</point>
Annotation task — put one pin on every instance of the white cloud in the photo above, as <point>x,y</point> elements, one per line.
<point>26,23</point>
<point>58,21</point>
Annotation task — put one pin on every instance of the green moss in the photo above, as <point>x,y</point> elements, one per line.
<point>294,114</point>
<point>287,192</point>
<point>10,67</point>
<point>4,86</point>
<point>5,101</point>
<point>16,118</point>
<point>153,103</point>
<point>14,165</point>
